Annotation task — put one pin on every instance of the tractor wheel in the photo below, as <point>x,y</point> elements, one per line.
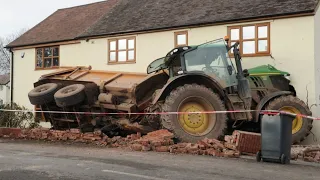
<point>194,127</point>
<point>70,96</point>
<point>301,127</point>
<point>42,94</point>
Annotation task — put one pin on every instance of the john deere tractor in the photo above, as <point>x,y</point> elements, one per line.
<point>187,80</point>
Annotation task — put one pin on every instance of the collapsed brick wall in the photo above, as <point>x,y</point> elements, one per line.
<point>159,141</point>
<point>162,141</point>
<point>306,153</point>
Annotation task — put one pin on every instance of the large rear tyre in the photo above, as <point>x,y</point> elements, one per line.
<point>301,127</point>
<point>70,96</point>
<point>43,94</point>
<point>194,127</point>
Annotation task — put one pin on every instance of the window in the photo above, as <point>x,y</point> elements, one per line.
<point>181,38</point>
<point>254,39</point>
<point>47,57</point>
<point>122,50</point>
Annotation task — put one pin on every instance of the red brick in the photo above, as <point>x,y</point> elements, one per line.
<point>146,148</point>
<point>205,144</point>
<point>76,131</point>
<point>216,143</point>
<point>212,152</point>
<point>162,149</point>
<point>192,147</point>
<point>230,146</point>
<point>136,147</point>
<point>229,154</point>
<point>181,151</point>
<point>156,143</point>
<point>139,135</point>
<point>247,142</point>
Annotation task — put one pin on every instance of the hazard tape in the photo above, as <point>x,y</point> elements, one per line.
<point>264,112</point>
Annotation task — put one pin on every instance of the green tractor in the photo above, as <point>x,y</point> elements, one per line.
<point>203,78</point>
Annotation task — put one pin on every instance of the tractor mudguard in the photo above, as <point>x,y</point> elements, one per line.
<point>190,78</point>
<point>266,99</point>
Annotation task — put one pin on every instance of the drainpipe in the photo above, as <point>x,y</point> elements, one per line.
<point>11,79</point>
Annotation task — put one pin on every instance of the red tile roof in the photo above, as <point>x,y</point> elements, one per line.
<point>65,24</point>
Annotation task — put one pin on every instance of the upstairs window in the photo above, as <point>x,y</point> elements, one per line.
<point>254,39</point>
<point>47,57</point>
<point>122,50</point>
<point>181,38</point>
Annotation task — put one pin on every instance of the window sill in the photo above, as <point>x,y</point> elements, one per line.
<point>43,69</point>
<point>117,63</point>
<point>253,55</point>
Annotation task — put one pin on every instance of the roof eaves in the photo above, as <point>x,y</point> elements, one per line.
<point>40,43</point>
<point>306,12</point>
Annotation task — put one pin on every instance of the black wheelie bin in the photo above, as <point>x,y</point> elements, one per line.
<point>276,138</point>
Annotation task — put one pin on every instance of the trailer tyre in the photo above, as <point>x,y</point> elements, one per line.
<point>301,127</point>
<point>43,94</point>
<point>194,127</point>
<point>70,95</point>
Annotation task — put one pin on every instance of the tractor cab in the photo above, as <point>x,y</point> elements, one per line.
<point>211,58</point>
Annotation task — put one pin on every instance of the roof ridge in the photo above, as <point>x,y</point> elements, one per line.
<point>103,1</point>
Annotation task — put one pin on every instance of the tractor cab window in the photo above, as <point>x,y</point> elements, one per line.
<point>210,58</point>
<point>157,65</point>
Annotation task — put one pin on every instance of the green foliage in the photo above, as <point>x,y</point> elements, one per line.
<point>17,119</point>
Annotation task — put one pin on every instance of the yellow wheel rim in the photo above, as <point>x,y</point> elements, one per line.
<point>297,122</point>
<point>196,124</point>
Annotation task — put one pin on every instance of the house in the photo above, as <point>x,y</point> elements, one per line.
<point>4,89</point>
<point>126,35</point>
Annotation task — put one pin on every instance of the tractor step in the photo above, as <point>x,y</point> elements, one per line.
<point>238,105</point>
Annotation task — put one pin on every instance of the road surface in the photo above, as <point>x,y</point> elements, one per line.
<point>37,161</point>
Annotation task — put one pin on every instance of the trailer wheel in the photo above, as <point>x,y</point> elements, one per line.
<point>194,127</point>
<point>43,94</point>
<point>301,127</point>
<point>70,95</point>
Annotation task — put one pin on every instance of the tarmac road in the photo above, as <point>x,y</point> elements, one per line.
<point>36,161</point>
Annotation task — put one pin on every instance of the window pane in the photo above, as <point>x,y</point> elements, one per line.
<point>249,32</point>
<point>39,61</point>
<point>47,52</point>
<point>131,55</point>
<point>122,44</point>
<point>235,34</point>
<point>56,52</point>
<point>112,56</point>
<point>122,56</point>
<point>113,45</point>
<point>39,58</point>
<point>39,52</point>
<point>263,32</point>
<point>47,63</point>
<point>55,61</point>
<point>249,47</point>
<point>131,44</point>
<point>182,39</point>
<point>263,45</point>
